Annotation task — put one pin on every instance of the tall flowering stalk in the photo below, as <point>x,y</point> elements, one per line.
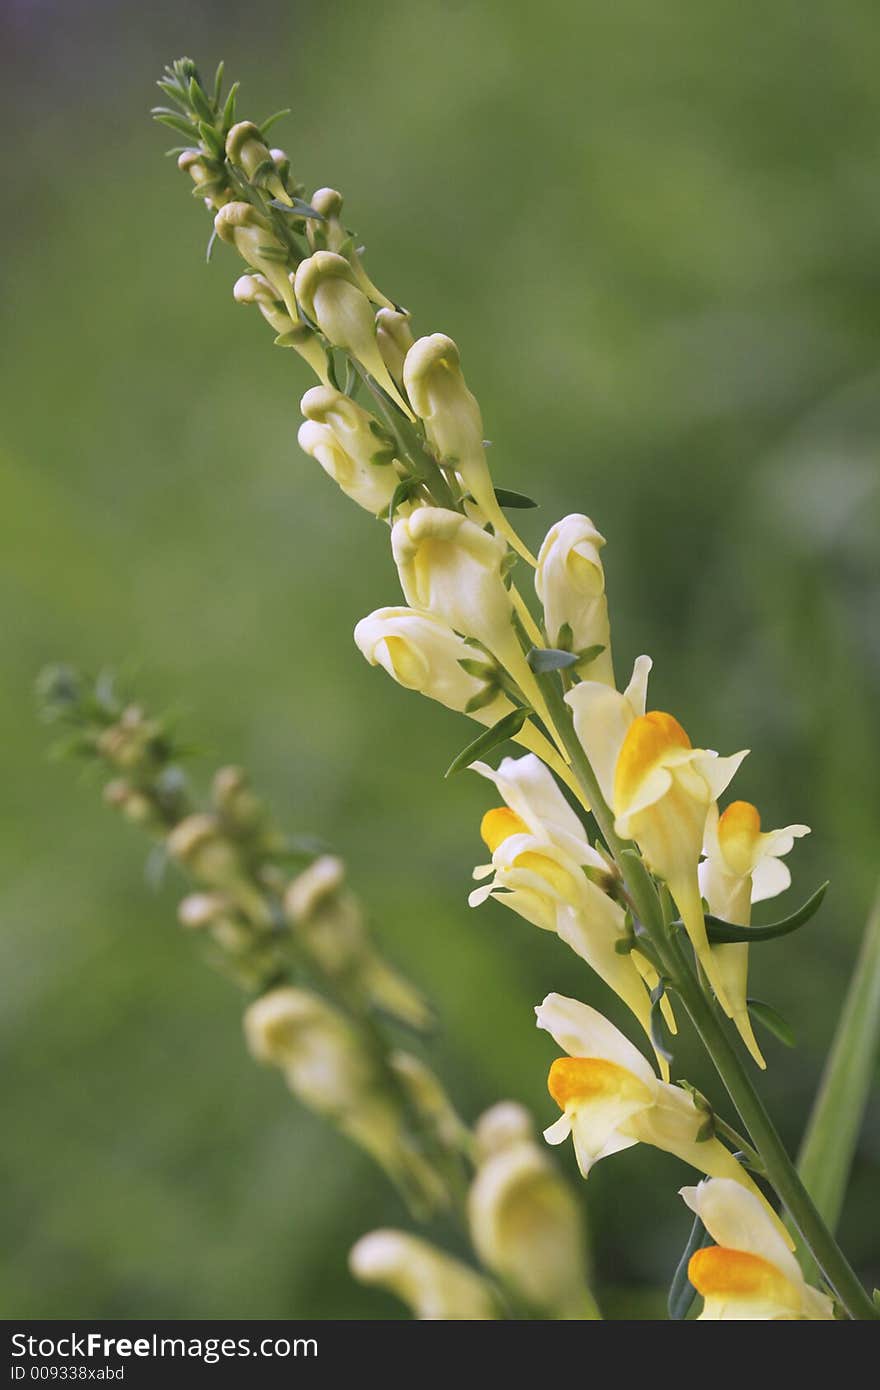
<point>277,917</point>
<point>660,904</point>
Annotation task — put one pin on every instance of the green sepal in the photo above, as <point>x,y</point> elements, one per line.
<point>516,501</point>
<point>506,728</point>
<point>402,493</point>
<point>229,108</point>
<point>483,670</point>
<point>681,1291</point>
<point>720,932</point>
<point>658,1023</point>
<point>266,125</point>
<point>383,457</point>
<point>481,699</point>
<point>772,1021</point>
<point>588,654</point>
<point>565,638</point>
<point>544,659</point>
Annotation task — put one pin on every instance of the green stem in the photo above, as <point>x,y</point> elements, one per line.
<point>779,1168</point>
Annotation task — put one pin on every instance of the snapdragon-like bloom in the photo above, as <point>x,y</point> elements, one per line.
<point>525,1222</point>
<point>742,866</point>
<point>338,433</point>
<point>570,582</point>
<point>434,1285</point>
<point>327,288</point>
<point>611,1098</point>
<point>452,568</point>
<point>750,1273</point>
<point>422,653</point>
<point>663,788</point>
<point>602,718</point>
<point>451,415</point>
<point>243,227</point>
<point>541,868</point>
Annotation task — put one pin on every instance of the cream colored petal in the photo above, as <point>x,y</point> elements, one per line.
<point>637,690</point>
<point>581,1031</point>
<point>771,877</point>
<point>601,719</point>
<point>558,1132</point>
<point>718,772</point>
<point>529,789</point>
<point>739,1220</point>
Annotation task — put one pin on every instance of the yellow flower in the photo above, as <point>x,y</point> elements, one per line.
<point>241,226</point>
<point>525,1223</point>
<point>451,567</point>
<point>338,434</point>
<point>663,788</point>
<point>541,869</point>
<point>423,653</point>
<point>570,583</point>
<point>434,383</point>
<point>434,1286</point>
<point>395,339</point>
<point>750,1274</point>
<point>602,718</point>
<point>611,1099</point>
<point>327,288</point>
<point>245,146</point>
<point>742,866</point>
<point>255,289</point>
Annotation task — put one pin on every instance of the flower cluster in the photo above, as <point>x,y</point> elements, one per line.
<point>395,424</point>
<point>280,920</point>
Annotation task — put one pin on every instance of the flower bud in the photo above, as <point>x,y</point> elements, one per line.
<point>246,148</point>
<point>371,486</point>
<point>351,446</point>
<point>432,1284</point>
<point>430,1101</point>
<point>201,846</point>
<point>451,568</point>
<point>127,744</point>
<point>525,1223</point>
<point>570,582</point>
<point>331,235</point>
<point>327,289</point>
<point>134,804</point>
<point>434,382</point>
<point>208,178</point>
<point>309,891</point>
<point>197,911</point>
<point>293,333</point>
<point>241,226</point>
<point>234,798</point>
<point>395,339</point>
<point>328,1066</point>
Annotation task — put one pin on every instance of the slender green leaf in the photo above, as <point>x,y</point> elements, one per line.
<point>402,493</point>
<point>719,931</point>
<point>297,207</point>
<point>543,659</point>
<point>773,1021</point>
<point>833,1129</point>
<point>659,1034</point>
<point>499,733</point>
<point>516,501</point>
<point>267,124</point>
<point>588,654</point>
<point>682,1292</point>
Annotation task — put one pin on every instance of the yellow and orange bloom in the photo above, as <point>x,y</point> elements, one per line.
<point>663,788</point>
<point>451,567</point>
<point>611,1099</point>
<point>750,1273</point>
<point>449,411</point>
<point>602,719</point>
<point>570,582</point>
<point>743,865</point>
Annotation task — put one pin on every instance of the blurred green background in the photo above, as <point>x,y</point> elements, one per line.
<point>655,232</point>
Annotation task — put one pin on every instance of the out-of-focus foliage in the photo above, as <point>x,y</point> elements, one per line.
<point>655,232</point>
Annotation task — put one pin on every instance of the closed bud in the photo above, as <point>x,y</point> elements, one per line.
<point>430,1101</point>
<point>450,567</point>
<point>207,176</point>
<point>342,436</point>
<point>433,380</point>
<point>570,582</point>
<point>395,339</point>
<point>255,289</point>
<point>200,844</point>
<point>234,798</point>
<point>433,1285</point>
<point>246,148</point>
<point>129,742</point>
<point>198,911</point>
<point>133,803</point>
<point>241,226</point>
<point>525,1223</point>
<point>329,1067</point>
<point>331,235</point>
<point>327,289</point>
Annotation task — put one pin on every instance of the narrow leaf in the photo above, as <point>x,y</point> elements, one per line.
<point>178,123</point>
<point>499,733</point>
<point>720,932</point>
<point>229,108</point>
<point>772,1021</point>
<point>516,501</point>
<point>833,1129</point>
<point>276,116</point>
<point>681,1291</point>
<point>659,1036</point>
<point>402,493</point>
<point>543,659</point>
<point>588,654</point>
<point>297,208</point>
<point>218,82</point>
